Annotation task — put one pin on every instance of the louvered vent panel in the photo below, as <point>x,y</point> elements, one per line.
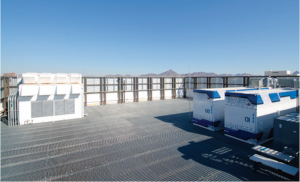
<point>36,109</point>
<point>70,106</point>
<point>59,107</point>
<point>48,108</point>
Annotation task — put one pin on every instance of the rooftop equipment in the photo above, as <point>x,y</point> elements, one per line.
<point>209,106</point>
<point>49,97</point>
<point>249,115</point>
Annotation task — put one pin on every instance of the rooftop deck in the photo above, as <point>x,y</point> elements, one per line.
<point>132,141</point>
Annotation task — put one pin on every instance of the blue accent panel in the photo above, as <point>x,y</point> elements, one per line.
<point>211,94</point>
<point>230,90</point>
<point>293,94</point>
<point>264,88</point>
<point>254,99</point>
<point>274,97</point>
<point>243,134</point>
<point>206,123</point>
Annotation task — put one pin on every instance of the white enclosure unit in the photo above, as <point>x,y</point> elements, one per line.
<point>49,97</point>
<point>249,115</point>
<point>209,105</point>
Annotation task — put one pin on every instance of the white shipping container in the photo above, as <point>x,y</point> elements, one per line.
<point>249,115</point>
<point>209,106</point>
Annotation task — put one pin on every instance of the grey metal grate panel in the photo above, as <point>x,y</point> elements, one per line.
<point>89,88</point>
<point>36,109</point>
<point>48,108</point>
<point>59,107</point>
<point>70,106</point>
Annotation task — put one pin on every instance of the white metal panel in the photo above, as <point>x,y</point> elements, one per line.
<point>89,81</point>
<point>155,94</point>
<point>96,88</point>
<point>61,78</point>
<point>155,80</point>
<point>111,81</point>
<point>112,97</point>
<point>179,80</point>
<point>46,90</point>
<point>29,78</point>
<point>89,88</point>
<point>128,96</point>
<point>143,87</point>
<point>45,78</point>
<point>76,89</point>
<point>29,90</point>
<point>96,80</point>
<point>168,80</point>
<point>93,97</point>
<point>63,89</point>
<point>168,86</point>
<point>128,80</point>
<point>155,86</point>
<point>128,87</point>
<point>75,78</point>
<point>109,88</point>
<point>168,93</point>
<point>143,95</point>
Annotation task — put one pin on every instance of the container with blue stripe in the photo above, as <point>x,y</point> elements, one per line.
<point>209,105</point>
<point>249,115</point>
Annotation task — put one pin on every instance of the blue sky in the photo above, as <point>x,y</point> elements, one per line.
<point>149,36</point>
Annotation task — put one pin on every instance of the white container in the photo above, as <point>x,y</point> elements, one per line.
<point>249,115</point>
<point>209,105</point>
<point>40,101</point>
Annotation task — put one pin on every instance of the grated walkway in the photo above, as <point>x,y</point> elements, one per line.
<point>129,142</point>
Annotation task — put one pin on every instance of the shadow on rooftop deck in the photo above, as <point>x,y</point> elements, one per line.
<point>220,153</point>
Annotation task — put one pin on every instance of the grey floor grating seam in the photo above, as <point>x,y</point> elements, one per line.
<point>135,141</point>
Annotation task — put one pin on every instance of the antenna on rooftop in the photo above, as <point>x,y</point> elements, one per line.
<point>190,97</point>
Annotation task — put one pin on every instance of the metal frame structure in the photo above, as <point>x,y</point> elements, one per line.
<point>195,84</point>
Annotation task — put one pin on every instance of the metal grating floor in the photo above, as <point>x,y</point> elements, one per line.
<point>129,142</point>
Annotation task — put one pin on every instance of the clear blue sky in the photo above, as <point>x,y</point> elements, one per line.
<point>149,36</point>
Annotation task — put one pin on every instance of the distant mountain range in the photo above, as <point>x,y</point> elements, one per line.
<point>172,73</point>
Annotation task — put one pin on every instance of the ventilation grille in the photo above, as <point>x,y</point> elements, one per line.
<point>52,108</point>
